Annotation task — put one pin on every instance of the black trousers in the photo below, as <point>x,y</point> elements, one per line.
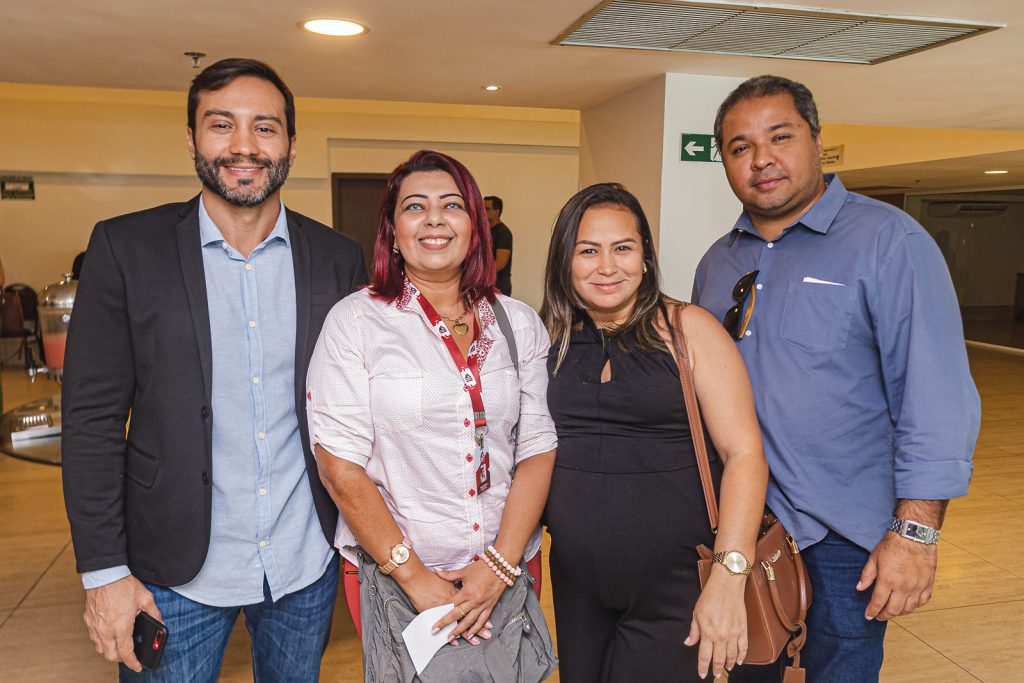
<point>624,573</point>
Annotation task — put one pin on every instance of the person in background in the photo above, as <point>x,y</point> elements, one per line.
<point>198,319</point>
<point>626,510</point>
<point>843,310</point>
<point>501,237</point>
<point>417,413</point>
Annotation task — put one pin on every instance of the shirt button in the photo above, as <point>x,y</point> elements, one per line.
<point>255,380</point>
<point>472,493</point>
<point>263,491</point>
<point>770,245</point>
<point>252,323</point>
<point>476,527</point>
<point>261,436</point>
<point>760,286</point>
<point>248,266</point>
<point>263,544</point>
<point>224,244</point>
<point>465,423</point>
<point>469,457</point>
<point>206,478</point>
<point>749,333</point>
<point>476,558</point>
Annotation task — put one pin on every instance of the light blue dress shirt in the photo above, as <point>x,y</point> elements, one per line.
<point>263,522</point>
<point>856,353</point>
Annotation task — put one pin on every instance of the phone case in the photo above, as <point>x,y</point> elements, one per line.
<point>150,637</point>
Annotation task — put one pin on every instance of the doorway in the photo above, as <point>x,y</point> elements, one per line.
<point>981,236</point>
<point>356,198</point>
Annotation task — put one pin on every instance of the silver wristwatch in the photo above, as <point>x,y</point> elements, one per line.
<point>915,531</point>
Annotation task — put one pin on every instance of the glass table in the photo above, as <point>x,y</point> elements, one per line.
<point>33,418</point>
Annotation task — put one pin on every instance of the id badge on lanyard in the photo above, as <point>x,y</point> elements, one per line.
<point>482,464</point>
<point>469,371</point>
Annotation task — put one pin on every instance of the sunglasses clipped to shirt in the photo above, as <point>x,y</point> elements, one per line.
<point>738,317</point>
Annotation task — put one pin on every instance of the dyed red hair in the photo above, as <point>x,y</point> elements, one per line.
<point>478,268</point>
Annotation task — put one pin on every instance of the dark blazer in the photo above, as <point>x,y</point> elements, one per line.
<point>140,339</point>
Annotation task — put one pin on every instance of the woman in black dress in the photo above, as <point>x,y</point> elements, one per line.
<point>626,509</point>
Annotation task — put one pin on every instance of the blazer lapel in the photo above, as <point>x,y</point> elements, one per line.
<point>190,251</point>
<point>303,305</point>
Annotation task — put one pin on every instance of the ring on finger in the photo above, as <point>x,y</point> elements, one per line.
<point>461,611</point>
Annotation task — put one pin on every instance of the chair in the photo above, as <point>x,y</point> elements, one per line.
<point>20,313</point>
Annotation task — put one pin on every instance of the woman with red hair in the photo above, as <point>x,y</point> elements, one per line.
<point>419,411</point>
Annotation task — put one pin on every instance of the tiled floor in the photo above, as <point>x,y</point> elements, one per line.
<point>973,629</point>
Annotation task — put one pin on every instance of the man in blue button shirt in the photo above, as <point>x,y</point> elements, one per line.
<point>198,320</point>
<point>844,312</point>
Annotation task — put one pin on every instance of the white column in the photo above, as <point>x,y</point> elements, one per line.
<point>697,206</point>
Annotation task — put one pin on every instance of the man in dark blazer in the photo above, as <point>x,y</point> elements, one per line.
<point>188,477</point>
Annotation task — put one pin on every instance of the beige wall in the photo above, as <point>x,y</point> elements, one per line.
<point>621,141</point>
<point>96,153</point>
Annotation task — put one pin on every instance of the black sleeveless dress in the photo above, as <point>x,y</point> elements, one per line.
<point>625,513</point>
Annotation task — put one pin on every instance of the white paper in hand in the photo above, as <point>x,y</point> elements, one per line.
<point>420,642</point>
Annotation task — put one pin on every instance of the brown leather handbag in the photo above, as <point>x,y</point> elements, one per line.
<point>778,591</point>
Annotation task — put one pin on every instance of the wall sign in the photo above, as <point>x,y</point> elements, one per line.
<point>699,147</point>
<point>833,155</point>
<point>17,187</point>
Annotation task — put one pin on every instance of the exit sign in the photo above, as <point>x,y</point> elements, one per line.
<point>699,147</point>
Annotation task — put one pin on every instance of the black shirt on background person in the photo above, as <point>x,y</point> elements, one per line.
<point>502,239</point>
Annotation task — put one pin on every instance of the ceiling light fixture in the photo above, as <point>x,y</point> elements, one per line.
<point>334,27</point>
<point>995,172</point>
<point>491,88</point>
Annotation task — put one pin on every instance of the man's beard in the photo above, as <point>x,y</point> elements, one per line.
<point>246,194</point>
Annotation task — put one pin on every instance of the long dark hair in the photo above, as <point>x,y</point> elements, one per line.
<point>477,269</point>
<point>563,308</point>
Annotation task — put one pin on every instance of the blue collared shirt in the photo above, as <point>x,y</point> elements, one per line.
<point>856,354</point>
<point>263,523</point>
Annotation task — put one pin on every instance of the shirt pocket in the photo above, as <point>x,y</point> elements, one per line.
<point>501,397</point>
<point>396,401</point>
<point>817,318</point>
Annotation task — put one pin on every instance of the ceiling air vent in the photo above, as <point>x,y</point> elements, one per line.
<point>949,209</point>
<point>776,31</point>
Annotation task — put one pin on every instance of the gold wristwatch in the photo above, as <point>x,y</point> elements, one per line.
<point>399,556</point>
<point>734,562</point>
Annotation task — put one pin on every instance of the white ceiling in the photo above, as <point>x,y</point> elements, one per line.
<point>942,175</point>
<point>445,50</point>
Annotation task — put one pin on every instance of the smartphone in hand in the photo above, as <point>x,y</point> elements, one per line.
<point>150,637</point>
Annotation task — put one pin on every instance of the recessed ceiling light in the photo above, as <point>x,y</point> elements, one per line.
<point>492,88</point>
<point>995,172</point>
<point>333,27</point>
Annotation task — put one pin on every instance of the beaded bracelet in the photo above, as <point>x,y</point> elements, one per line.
<point>500,572</point>
<point>515,571</point>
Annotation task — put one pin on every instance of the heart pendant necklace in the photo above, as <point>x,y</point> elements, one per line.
<point>458,327</point>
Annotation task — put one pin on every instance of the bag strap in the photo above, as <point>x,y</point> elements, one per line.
<point>506,329</point>
<point>693,413</point>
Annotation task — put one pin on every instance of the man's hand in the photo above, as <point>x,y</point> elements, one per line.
<point>110,613</point>
<point>903,572</point>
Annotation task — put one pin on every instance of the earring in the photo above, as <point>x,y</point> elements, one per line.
<point>645,269</point>
<point>394,246</point>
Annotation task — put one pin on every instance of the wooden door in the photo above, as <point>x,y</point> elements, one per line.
<point>357,198</point>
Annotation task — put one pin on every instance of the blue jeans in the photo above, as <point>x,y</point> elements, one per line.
<point>288,636</point>
<point>842,646</point>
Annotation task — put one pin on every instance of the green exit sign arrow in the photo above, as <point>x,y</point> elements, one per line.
<point>699,147</point>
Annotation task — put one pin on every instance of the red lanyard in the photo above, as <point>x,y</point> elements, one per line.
<point>469,368</point>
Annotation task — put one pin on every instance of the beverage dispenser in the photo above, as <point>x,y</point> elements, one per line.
<point>55,304</point>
